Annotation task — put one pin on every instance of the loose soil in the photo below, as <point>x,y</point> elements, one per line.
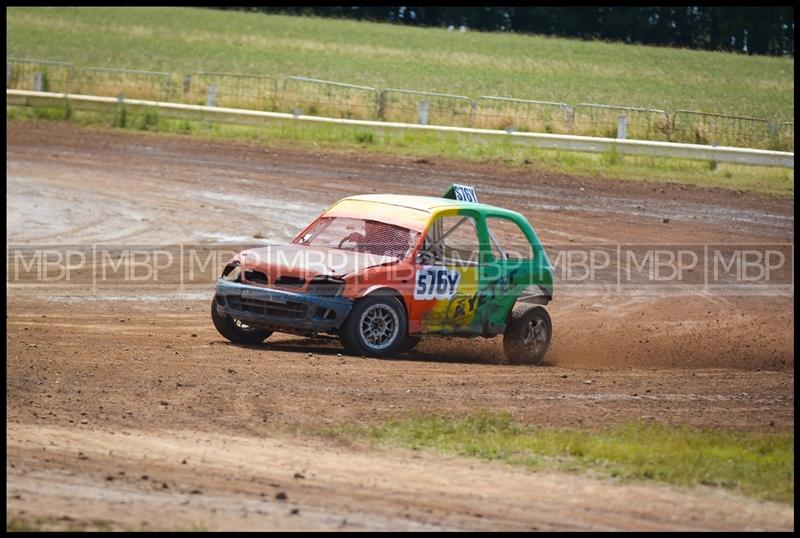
<point>109,383</point>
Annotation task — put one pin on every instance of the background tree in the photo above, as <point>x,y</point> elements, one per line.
<point>751,30</point>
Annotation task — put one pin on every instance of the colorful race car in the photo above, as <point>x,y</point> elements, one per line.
<point>380,271</point>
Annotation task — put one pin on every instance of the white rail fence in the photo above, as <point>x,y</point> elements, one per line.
<point>316,97</point>
<point>758,157</point>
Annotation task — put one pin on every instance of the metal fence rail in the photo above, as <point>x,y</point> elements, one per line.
<point>39,75</point>
<point>233,90</point>
<point>313,96</point>
<point>305,95</point>
<point>542,140</point>
<point>128,82</point>
<point>522,115</point>
<point>602,120</point>
<point>724,129</point>
<point>413,106</point>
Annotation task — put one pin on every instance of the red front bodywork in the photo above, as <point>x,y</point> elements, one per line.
<point>294,267</point>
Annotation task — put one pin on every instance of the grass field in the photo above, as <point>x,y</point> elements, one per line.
<point>182,40</point>
<point>754,464</point>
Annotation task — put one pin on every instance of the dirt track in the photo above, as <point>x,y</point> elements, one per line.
<point>145,365</point>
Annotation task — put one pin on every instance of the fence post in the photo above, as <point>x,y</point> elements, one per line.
<point>211,99</point>
<point>622,127</point>
<point>37,81</point>
<point>473,109</point>
<point>378,103</point>
<point>423,112</point>
<point>773,128</point>
<point>121,116</point>
<point>8,75</point>
<point>382,105</point>
<point>187,83</point>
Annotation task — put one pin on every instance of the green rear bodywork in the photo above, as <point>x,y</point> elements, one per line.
<point>499,281</point>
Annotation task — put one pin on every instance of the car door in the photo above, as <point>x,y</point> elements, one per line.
<point>506,273</point>
<point>446,280</point>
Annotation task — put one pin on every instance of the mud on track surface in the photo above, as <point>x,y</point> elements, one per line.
<point>87,367</point>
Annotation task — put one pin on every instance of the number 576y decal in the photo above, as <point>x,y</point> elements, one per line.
<point>436,282</point>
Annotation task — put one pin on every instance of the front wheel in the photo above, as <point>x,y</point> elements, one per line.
<point>527,335</point>
<point>235,330</point>
<point>376,326</point>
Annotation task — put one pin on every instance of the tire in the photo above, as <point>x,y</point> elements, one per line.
<point>375,327</point>
<point>528,334</point>
<point>409,343</point>
<point>234,330</point>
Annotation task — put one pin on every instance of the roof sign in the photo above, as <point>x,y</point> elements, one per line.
<point>465,193</point>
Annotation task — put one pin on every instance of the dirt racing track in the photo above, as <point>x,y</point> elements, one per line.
<point>127,409</point>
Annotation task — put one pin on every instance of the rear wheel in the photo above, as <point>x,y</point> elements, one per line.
<point>376,326</point>
<point>235,330</point>
<point>528,334</point>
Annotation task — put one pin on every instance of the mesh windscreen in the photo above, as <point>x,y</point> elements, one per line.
<point>359,235</point>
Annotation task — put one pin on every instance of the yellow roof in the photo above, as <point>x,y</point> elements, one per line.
<point>413,212</point>
<point>423,203</point>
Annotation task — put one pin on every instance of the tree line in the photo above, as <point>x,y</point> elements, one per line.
<point>751,30</point>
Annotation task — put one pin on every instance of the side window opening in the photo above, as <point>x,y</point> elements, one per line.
<point>508,240</point>
<point>497,249</point>
<point>452,240</point>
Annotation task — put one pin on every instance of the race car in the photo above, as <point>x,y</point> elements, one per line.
<point>380,271</point>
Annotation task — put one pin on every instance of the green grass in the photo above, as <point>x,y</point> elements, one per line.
<point>19,525</point>
<point>46,524</point>
<point>767,180</point>
<point>755,464</point>
<point>182,40</point>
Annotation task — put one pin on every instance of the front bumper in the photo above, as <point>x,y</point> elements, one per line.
<point>268,307</point>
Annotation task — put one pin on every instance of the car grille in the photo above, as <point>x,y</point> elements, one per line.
<point>290,281</point>
<point>256,277</point>
<point>325,286</point>
<point>288,310</point>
